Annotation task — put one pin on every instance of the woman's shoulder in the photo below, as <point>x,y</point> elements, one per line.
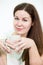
<point>42,58</point>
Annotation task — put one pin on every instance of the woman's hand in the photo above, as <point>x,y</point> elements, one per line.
<point>4,48</point>
<point>21,44</point>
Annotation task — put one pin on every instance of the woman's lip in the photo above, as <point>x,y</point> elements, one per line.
<point>19,29</point>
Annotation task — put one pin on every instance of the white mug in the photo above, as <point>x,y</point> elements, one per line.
<point>14,57</point>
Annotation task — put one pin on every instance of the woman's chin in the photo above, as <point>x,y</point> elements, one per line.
<point>20,33</point>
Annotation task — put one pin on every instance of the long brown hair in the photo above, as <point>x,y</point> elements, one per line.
<point>35,32</point>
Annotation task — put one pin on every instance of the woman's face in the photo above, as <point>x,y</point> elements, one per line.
<point>22,22</point>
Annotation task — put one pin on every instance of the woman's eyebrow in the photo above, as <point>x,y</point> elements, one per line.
<point>25,17</point>
<point>16,16</point>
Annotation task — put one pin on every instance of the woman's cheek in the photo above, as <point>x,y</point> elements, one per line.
<point>15,23</point>
<point>27,26</point>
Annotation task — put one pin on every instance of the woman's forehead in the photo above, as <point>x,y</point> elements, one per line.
<point>22,13</point>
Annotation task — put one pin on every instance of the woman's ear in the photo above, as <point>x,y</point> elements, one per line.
<point>32,23</point>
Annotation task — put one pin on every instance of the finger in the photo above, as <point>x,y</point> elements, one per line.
<point>18,43</point>
<point>12,45</point>
<point>19,48</point>
<point>17,40</point>
<point>11,42</point>
<point>6,49</point>
<point>3,47</point>
<point>8,42</point>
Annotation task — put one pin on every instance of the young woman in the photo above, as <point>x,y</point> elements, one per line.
<point>27,25</point>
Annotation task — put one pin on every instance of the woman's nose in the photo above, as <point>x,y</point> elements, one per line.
<point>19,22</point>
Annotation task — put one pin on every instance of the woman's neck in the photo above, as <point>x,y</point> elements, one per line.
<point>23,35</point>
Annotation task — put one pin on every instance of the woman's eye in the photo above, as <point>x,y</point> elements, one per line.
<point>25,20</point>
<point>16,18</point>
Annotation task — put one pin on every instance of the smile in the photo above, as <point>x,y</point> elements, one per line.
<point>19,28</point>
